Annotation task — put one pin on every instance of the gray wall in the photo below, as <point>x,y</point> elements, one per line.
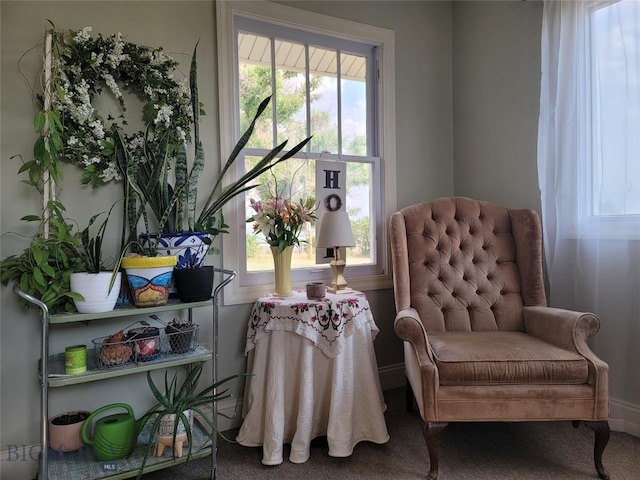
<point>496,84</point>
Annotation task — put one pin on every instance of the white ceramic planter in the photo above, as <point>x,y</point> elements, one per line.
<point>165,429</point>
<point>164,435</point>
<point>94,287</point>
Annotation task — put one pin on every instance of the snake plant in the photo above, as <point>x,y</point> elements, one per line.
<point>167,182</point>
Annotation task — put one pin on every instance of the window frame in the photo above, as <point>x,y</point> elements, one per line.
<point>314,23</point>
<point>589,224</point>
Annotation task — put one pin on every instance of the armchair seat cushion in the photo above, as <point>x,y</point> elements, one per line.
<point>499,357</point>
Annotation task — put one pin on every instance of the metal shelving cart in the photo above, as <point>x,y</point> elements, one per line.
<point>82,464</point>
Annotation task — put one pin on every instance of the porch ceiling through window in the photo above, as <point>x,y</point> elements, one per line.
<point>254,49</point>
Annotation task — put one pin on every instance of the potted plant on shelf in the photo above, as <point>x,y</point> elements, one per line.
<point>44,267</point>
<point>171,417</point>
<point>149,278</point>
<point>98,285</point>
<point>182,335</point>
<point>64,431</point>
<point>174,201</point>
<point>43,270</point>
<point>76,70</point>
<point>65,270</point>
<point>153,165</point>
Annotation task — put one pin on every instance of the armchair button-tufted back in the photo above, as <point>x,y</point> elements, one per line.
<point>463,261</point>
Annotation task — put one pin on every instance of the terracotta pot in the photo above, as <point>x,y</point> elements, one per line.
<point>66,438</point>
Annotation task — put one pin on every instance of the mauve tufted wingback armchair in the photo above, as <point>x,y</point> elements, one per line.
<point>480,342</point>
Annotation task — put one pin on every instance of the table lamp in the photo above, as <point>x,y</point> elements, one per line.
<point>334,231</point>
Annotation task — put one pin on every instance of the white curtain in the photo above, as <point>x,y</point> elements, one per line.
<point>592,249</point>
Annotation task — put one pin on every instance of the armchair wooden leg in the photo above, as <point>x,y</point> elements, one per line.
<point>602,431</point>
<point>431,431</point>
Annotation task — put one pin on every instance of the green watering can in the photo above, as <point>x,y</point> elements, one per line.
<point>114,436</point>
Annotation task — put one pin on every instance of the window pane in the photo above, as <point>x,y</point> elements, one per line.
<point>353,86</point>
<point>324,99</point>
<point>254,85</point>
<point>359,208</point>
<point>295,179</point>
<point>291,92</point>
<point>616,173</point>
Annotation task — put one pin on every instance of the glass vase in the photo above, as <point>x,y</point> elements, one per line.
<point>282,267</point>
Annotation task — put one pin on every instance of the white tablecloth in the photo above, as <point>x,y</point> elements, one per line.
<point>311,377</point>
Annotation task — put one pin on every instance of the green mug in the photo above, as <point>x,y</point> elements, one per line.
<point>75,359</point>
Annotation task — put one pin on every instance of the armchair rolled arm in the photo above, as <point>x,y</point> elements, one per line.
<point>421,369</point>
<point>563,328</point>
<point>570,330</point>
<point>409,327</point>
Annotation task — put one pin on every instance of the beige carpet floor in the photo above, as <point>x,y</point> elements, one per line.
<point>471,451</point>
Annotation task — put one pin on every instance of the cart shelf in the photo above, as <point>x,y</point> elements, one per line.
<point>126,310</point>
<point>82,465</point>
<point>57,377</point>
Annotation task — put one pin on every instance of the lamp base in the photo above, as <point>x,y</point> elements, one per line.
<point>339,290</point>
<point>338,283</point>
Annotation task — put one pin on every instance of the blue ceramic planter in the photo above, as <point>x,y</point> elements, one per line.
<point>189,247</point>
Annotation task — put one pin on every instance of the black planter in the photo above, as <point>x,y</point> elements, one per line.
<point>193,284</point>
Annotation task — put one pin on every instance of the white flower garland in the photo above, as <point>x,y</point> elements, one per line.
<point>85,66</point>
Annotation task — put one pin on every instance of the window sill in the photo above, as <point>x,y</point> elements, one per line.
<point>606,228</point>
<point>236,294</point>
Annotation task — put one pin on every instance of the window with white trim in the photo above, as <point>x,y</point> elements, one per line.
<point>330,79</point>
<point>611,192</point>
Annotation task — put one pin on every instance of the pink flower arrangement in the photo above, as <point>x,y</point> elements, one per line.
<point>280,220</point>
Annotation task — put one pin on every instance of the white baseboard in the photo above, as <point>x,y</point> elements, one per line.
<point>392,376</point>
<point>229,414</point>
<point>624,417</point>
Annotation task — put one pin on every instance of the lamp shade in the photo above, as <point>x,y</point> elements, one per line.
<point>335,230</point>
